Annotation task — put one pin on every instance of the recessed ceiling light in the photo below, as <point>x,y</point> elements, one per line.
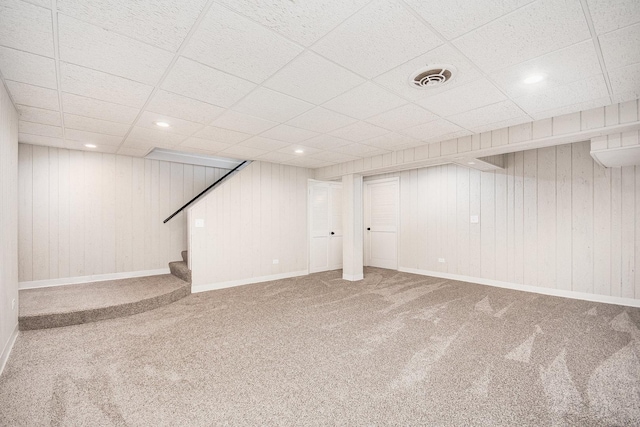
<point>162,124</point>
<point>299,151</point>
<point>471,163</point>
<point>534,78</point>
<point>90,145</point>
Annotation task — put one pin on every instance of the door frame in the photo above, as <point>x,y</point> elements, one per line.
<point>366,252</point>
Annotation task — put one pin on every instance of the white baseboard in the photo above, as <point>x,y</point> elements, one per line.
<point>7,349</point>
<point>247,281</point>
<point>528,288</point>
<point>94,278</point>
<point>353,277</point>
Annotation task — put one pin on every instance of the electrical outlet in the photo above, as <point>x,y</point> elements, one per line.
<point>199,223</point>
<point>13,304</point>
<point>276,261</point>
<point>440,259</point>
<point>475,219</point>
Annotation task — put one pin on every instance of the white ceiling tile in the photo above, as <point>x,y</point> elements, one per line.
<point>41,140</point>
<point>321,120</point>
<point>304,21</point>
<point>79,145</point>
<point>626,80</point>
<point>39,115</point>
<point>326,142</point>
<point>609,15</point>
<point>308,162</point>
<point>558,68</point>
<point>333,157</point>
<point>502,124</point>
<point>204,144</point>
<point>182,127</point>
<point>157,137</point>
<point>272,105</point>
<point>242,122</point>
<point>289,134</point>
<point>93,47</point>
<point>359,131</point>
<point>456,17</point>
<point>581,106</point>
<point>563,96</point>
<point>625,96</point>
<point>83,106</point>
<point>179,106</point>
<point>497,112</point>
<point>40,129</point>
<point>276,157</point>
<point>203,83</point>
<point>434,129</point>
<point>397,79</point>
<point>33,96</point>
<point>162,23</point>
<point>393,141</point>
<point>365,101</point>
<point>241,152</point>
<point>106,87</point>
<point>622,47</point>
<point>72,121</point>
<point>531,31</point>
<point>28,68</point>
<point>91,137</point>
<point>448,136</point>
<point>222,135</point>
<point>463,98</point>
<point>223,33</point>
<point>138,144</point>
<point>381,36</point>
<point>402,117</point>
<point>361,150</point>
<point>314,79</point>
<point>26,27</point>
<point>132,152</point>
<point>265,144</point>
<point>42,3</point>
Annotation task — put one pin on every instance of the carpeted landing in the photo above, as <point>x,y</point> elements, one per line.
<point>392,349</point>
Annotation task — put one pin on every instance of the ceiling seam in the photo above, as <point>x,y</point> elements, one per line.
<point>596,45</point>
<point>56,58</point>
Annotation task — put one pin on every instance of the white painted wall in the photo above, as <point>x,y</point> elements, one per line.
<point>552,219</point>
<point>8,224</point>
<point>90,214</point>
<point>257,216</point>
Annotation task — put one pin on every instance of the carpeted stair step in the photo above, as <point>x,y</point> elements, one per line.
<point>185,256</point>
<point>67,305</point>
<point>180,270</point>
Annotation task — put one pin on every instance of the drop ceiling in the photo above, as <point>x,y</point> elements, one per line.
<point>259,80</point>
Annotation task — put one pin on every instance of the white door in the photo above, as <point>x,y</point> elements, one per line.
<point>325,226</point>
<point>381,211</point>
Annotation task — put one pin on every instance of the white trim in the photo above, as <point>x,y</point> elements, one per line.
<point>250,280</point>
<point>87,279</point>
<point>353,277</point>
<point>7,349</point>
<point>631,302</point>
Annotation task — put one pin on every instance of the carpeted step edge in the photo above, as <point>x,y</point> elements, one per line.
<point>56,320</point>
<point>185,256</point>
<point>180,270</point>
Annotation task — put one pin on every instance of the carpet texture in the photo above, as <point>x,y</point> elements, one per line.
<point>392,349</point>
<point>66,305</point>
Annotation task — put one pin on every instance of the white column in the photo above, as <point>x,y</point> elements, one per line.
<point>352,222</point>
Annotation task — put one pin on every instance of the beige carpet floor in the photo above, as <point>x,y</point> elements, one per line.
<point>393,349</point>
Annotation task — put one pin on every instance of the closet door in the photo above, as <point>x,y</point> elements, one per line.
<point>325,226</point>
<point>381,211</point>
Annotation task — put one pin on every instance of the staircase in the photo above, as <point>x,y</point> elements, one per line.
<point>180,269</point>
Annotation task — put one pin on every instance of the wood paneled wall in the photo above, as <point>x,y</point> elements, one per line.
<point>258,216</point>
<point>553,218</point>
<point>8,221</point>
<point>84,213</point>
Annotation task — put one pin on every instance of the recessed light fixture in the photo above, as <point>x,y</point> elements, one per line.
<point>162,124</point>
<point>534,78</point>
<point>471,163</point>
<point>298,151</point>
<point>90,145</point>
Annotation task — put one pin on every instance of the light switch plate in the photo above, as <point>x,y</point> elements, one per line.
<point>199,223</point>
<point>474,219</point>
<point>276,261</point>
<point>440,259</point>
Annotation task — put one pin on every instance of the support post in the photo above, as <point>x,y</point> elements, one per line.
<point>352,222</point>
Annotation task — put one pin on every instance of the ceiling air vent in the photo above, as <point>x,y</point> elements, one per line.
<point>432,76</point>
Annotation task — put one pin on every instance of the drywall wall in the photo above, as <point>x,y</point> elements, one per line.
<point>256,217</point>
<point>552,219</point>
<point>89,214</point>
<point>8,225</point>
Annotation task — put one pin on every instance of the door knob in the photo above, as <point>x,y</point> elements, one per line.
<point>332,233</point>
<point>368,228</point>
